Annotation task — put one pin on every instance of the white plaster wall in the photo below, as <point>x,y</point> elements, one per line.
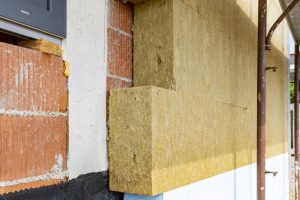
<point>239,184</point>
<point>86,52</point>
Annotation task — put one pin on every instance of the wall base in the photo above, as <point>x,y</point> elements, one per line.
<point>91,186</point>
<point>233,185</point>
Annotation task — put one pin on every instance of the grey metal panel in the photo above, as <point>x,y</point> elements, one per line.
<point>20,30</point>
<point>48,16</point>
<point>293,19</point>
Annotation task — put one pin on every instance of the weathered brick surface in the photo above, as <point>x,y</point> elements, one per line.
<point>120,54</point>
<point>113,83</point>
<point>120,46</point>
<point>121,15</point>
<point>31,80</point>
<point>32,146</point>
<point>33,119</point>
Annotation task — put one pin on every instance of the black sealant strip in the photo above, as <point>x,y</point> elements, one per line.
<point>92,186</point>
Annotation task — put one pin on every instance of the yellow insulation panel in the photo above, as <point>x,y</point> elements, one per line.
<point>161,139</point>
<point>200,119</point>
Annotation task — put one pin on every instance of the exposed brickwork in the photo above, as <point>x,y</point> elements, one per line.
<point>120,54</point>
<point>31,145</point>
<point>33,119</point>
<point>34,102</point>
<point>113,83</point>
<point>31,80</point>
<point>121,15</point>
<point>120,45</point>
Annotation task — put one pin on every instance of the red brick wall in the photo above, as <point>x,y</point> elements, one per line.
<point>34,101</point>
<point>33,118</point>
<point>120,44</point>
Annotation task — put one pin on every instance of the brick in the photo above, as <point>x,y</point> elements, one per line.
<point>31,80</point>
<point>117,83</point>
<point>5,190</point>
<point>120,54</point>
<point>120,42</point>
<point>30,146</point>
<point>121,16</point>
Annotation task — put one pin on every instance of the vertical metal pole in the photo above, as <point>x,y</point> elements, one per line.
<point>261,98</point>
<point>292,127</point>
<point>296,111</point>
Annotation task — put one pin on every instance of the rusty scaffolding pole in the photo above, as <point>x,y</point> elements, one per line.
<point>296,111</point>
<point>278,21</point>
<point>261,98</point>
<point>264,43</point>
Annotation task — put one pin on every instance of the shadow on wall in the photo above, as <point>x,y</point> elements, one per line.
<point>221,65</point>
<point>215,63</point>
<point>239,43</point>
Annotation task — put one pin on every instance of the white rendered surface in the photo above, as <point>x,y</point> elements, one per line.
<point>85,50</point>
<point>239,184</point>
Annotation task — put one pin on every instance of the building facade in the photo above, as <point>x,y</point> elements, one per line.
<point>159,103</point>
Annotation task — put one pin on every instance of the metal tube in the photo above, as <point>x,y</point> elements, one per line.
<point>261,98</point>
<point>278,21</point>
<point>292,128</point>
<point>296,113</point>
